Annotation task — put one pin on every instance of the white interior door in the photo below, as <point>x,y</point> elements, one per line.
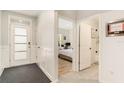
<point>20,44</point>
<point>85,46</point>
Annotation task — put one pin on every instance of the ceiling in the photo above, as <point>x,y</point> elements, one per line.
<point>67,13</point>
<point>33,13</point>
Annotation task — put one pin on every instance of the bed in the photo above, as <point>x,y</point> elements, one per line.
<point>66,54</point>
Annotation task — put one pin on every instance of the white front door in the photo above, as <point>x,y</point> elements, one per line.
<point>20,44</point>
<point>85,46</point>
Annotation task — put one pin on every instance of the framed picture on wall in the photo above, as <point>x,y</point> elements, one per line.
<point>115,28</point>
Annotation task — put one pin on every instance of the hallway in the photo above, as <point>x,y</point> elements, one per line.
<point>89,75</point>
<point>24,74</point>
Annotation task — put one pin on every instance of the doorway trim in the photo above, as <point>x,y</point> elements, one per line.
<point>74,66</point>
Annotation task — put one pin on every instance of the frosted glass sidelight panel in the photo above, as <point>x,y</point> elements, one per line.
<point>20,31</point>
<point>20,55</point>
<point>20,39</point>
<point>20,47</point>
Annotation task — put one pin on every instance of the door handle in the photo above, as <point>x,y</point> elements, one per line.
<point>90,48</point>
<point>29,44</point>
<point>38,47</point>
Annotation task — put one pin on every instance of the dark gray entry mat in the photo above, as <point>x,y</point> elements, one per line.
<point>24,74</point>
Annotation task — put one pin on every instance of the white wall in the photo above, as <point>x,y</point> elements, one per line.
<point>0,39</point>
<point>67,13</point>
<point>47,41</point>
<point>92,21</point>
<point>111,50</point>
<point>5,36</point>
<point>1,68</point>
<point>82,14</point>
<point>66,33</point>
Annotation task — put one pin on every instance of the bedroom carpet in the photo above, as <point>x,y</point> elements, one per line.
<point>24,74</point>
<point>89,75</point>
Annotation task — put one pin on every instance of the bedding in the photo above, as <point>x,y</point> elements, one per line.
<point>66,52</point>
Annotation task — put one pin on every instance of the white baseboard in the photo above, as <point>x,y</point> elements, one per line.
<point>46,73</point>
<point>55,81</point>
<point>1,71</point>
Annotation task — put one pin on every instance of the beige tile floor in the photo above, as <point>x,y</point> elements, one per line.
<point>89,75</point>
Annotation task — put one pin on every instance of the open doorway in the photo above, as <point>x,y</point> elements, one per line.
<point>89,49</point>
<point>87,55</point>
<point>65,46</point>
